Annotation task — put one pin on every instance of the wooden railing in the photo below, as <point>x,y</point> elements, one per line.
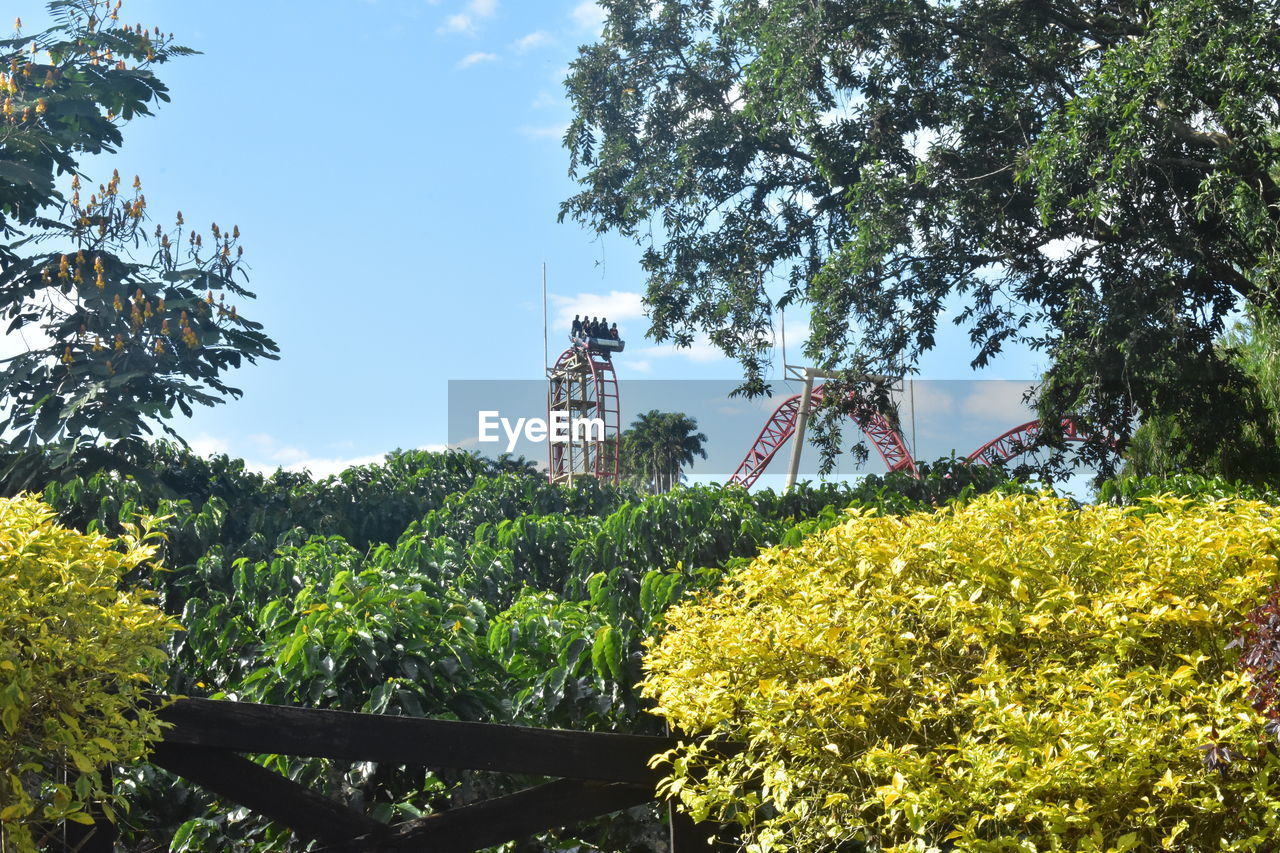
<point>597,773</point>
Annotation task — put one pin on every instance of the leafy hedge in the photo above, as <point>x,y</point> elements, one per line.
<point>442,585</point>
<point>76,656</point>
<point>1008,674</point>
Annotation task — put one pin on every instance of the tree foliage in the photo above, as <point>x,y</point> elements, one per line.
<point>1160,447</point>
<point>76,657</point>
<point>658,446</point>
<point>444,585</point>
<point>1094,180</point>
<point>1007,674</point>
<point>123,326</point>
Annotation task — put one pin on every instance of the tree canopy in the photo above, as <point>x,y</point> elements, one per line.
<point>1095,180</point>
<point>121,325</point>
<point>1159,448</point>
<point>658,446</point>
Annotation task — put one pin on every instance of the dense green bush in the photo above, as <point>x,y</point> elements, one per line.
<point>442,585</point>
<point>76,657</point>
<point>1007,674</point>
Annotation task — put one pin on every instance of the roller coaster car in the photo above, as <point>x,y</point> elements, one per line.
<point>605,345</point>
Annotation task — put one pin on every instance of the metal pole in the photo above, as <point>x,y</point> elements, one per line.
<point>782,313</point>
<point>546,363</point>
<point>802,420</point>
<point>915,449</point>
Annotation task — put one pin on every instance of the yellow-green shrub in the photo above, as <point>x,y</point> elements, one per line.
<point>1011,674</point>
<point>75,658</point>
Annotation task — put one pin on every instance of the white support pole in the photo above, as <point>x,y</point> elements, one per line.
<point>915,450</point>
<point>782,317</point>
<point>546,360</point>
<point>802,421</point>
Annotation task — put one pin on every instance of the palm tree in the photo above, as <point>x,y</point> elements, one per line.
<point>657,446</point>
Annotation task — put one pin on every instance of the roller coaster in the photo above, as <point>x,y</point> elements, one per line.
<point>582,386</point>
<point>884,437</point>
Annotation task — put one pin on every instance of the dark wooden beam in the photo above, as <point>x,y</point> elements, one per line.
<point>687,836</point>
<point>289,804</point>
<point>281,730</point>
<point>487,824</point>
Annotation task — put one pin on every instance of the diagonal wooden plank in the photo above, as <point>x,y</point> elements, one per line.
<point>475,827</point>
<point>281,730</point>
<point>239,780</point>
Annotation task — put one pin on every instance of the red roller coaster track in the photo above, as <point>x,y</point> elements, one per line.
<point>1020,439</point>
<point>582,385</point>
<point>781,426</point>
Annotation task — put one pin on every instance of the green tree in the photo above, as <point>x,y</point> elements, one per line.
<point>122,325</point>
<point>77,659</point>
<point>1159,447</point>
<point>1001,674</point>
<point>657,446</point>
<point>1094,180</point>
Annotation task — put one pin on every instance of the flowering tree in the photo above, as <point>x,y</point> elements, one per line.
<point>119,324</point>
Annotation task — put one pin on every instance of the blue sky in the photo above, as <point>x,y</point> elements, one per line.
<point>396,170</point>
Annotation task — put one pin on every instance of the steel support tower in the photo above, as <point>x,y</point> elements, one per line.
<point>582,393</point>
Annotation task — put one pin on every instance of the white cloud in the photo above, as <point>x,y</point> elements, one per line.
<point>544,99</point>
<point>588,16</point>
<point>619,306</point>
<point>267,454</point>
<point>532,40</point>
<point>932,399</point>
<point>208,445</point>
<point>321,467</point>
<point>474,58</point>
<point>551,131</point>
<point>701,351</point>
<point>459,23</point>
<point>997,402</point>
<point>466,20</point>
<point>781,392</point>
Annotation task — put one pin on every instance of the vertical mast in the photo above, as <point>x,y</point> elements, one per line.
<point>546,364</point>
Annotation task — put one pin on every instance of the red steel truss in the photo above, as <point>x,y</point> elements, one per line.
<point>781,426</point>
<point>1022,438</point>
<point>777,430</point>
<point>582,385</point>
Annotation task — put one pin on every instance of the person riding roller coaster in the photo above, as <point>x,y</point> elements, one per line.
<point>580,332</point>
<point>595,334</point>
